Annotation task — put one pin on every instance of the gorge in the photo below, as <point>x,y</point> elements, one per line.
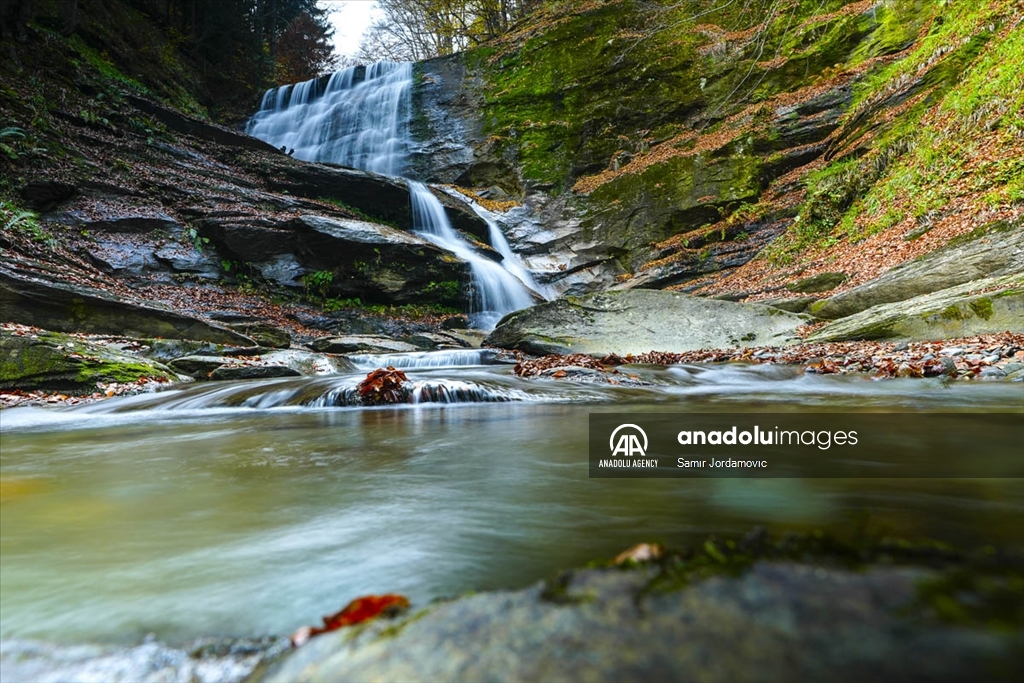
<point>646,212</point>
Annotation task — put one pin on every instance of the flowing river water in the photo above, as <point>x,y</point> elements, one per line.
<point>251,508</point>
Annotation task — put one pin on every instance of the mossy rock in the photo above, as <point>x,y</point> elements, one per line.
<point>985,306</point>
<point>60,362</point>
<point>822,282</point>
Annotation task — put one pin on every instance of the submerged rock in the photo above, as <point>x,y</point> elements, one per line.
<point>637,321</point>
<point>208,661</point>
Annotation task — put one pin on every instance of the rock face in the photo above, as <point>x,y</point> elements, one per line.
<point>374,195</point>
<point>601,166</point>
<point>53,361</point>
<point>64,308</point>
<point>346,257</point>
<point>777,622</point>
<point>979,307</point>
<point>638,321</point>
<point>998,251</point>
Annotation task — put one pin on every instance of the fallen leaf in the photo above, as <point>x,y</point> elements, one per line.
<point>642,552</point>
<point>356,612</point>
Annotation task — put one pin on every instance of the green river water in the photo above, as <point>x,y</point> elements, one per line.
<point>249,509</point>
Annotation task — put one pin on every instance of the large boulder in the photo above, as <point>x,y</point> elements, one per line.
<point>998,251</point>
<point>60,362</point>
<point>69,308</point>
<point>778,621</point>
<point>985,306</point>
<point>637,321</point>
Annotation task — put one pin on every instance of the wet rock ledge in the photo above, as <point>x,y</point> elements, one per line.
<point>712,616</point>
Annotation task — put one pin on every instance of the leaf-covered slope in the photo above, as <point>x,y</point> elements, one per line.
<point>687,136</point>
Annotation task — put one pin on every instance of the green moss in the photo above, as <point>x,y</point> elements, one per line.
<point>63,362</point>
<point>556,590</point>
<point>967,597</point>
<point>953,312</point>
<point>395,629</point>
<point>982,308</point>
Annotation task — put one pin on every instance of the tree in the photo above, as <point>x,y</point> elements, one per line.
<point>304,50</point>
<point>411,30</point>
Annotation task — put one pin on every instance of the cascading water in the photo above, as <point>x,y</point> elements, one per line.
<point>496,291</point>
<point>361,119</point>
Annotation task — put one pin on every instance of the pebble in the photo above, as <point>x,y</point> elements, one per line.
<point>951,351</point>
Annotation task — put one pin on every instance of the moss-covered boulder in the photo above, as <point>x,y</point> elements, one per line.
<point>775,622</point>
<point>983,306</point>
<point>61,362</point>
<point>994,250</point>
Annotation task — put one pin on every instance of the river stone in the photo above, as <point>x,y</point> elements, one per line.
<point>232,372</point>
<point>361,343</point>
<point>71,308</point>
<point>199,367</point>
<point>998,251</point>
<point>264,334</point>
<point>637,321</point>
<point>164,350</point>
<point>776,622</point>
<point>959,311</point>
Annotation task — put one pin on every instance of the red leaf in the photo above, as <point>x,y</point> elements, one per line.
<point>356,612</point>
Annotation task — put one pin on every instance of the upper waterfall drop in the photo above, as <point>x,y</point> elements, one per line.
<point>360,118</point>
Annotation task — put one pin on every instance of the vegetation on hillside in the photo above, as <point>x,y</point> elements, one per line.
<point>690,126</point>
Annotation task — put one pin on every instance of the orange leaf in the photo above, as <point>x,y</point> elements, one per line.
<point>356,612</point>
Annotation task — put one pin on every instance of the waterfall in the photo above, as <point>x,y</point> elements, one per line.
<point>495,291</point>
<point>357,122</point>
<point>361,119</point>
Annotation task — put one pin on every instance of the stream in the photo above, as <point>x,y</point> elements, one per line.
<point>251,508</point>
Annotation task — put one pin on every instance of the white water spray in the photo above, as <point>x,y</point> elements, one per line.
<point>365,124</point>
